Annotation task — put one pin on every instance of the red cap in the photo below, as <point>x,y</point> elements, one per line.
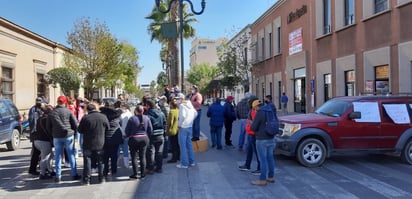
<point>230,98</point>
<point>62,99</point>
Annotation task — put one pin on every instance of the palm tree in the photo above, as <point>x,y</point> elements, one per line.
<point>154,29</point>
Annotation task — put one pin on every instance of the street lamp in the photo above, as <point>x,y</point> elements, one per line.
<point>181,28</point>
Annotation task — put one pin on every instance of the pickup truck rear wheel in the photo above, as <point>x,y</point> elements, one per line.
<point>311,152</point>
<point>406,155</point>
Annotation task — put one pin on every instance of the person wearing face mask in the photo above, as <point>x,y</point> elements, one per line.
<point>196,100</point>
<point>268,101</point>
<point>35,113</point>
<point>164,107</point>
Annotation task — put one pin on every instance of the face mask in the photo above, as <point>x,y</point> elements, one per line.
<point>160,103</point>
<point>267,101</point>
<point>193,91</point>
<point>178,102</point>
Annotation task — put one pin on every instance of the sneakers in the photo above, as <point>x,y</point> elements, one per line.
<point>35,173</point>
<point>244,168</point>
<point>255,172</point>
<point>133,177</point>
<point>181,166</point>
<point>76,177</point>
<point>271,180</point>
<point>259,182</point>
<point>86,182</point>
<point>67,165</point>
<point>45,177</point>
<point>192,165</point>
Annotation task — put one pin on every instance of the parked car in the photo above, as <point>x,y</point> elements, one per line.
<point>109,99</point>
<point>208,101</point>
<point>133,101</point>
<point>10,124</point>
<point>378,124</point>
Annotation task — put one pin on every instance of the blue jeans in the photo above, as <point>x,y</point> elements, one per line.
<point>124,147</point>
<point>216,135</point>
<point>59,145</point>
<point>196,125</point>
<point>267,160</point>
<point>242,133</point>
<point>187,156</point>
<point>251,149</point>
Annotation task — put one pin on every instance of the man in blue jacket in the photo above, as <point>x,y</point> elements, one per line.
<point>216,115</point>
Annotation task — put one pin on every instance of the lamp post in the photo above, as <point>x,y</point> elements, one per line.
<point>203,4</point>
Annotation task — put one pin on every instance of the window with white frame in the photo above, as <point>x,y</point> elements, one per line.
<point>279,40</point>
<point>270,45</point>
<point>349,12</point>
<point>326,16</point>
<point>381,5</point>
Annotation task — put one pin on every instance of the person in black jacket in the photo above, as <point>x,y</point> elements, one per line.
<point>154,155</point>
<point>265,145</point>
<point>93,126</point>
<point>113,138</point>
<point>62,124</point>
<point>138,130</point>
<point>43,141</point>
<point>229,116</point>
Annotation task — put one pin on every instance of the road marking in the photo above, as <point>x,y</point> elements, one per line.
<point>374,184</point>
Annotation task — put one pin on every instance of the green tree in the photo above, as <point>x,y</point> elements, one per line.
<point>202,75</point>
<point>234,66</point>
<point>154,29</point>
<point>128,67</point>
<point>161,80</point>
<point>65,77</point>
<point>99,58</point>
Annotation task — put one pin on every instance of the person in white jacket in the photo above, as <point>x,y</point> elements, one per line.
<point>125,116</point>
<point>187,113</point>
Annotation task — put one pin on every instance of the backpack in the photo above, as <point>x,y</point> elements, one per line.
<point>272,123</point>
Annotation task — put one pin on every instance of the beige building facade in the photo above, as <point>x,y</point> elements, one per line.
<point>316,50</point>
<point>204,50</point>
<point>25,58</point>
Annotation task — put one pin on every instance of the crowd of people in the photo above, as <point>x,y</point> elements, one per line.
<point>145,135</point>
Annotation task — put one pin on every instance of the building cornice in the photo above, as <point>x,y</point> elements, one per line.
<point>32,35</point>
<point>268,12</point>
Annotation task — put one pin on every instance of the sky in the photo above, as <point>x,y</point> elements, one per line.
<point>54,19</point>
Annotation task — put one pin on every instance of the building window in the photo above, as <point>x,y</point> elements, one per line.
<point>381,5</point>
<point>245,56</point>
<point>270,44</point>
<point>263,48</point>
<point>7,82</point>
<point>326,16</point>
<point>328,87</point>
<point>350,83</point>
<point>279,40</point>
<point>349,12</point>
<point>382,79</point>
<point>41,85</point>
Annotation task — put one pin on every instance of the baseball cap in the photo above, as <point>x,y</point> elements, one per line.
<point>180,96</point>
<point>256,103</point>
<point>62,99</point>
<point>229,97</point>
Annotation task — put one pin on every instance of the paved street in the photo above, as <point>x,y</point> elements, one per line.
<point>216,176</point>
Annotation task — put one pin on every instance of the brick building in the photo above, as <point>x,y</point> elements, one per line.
<point>319,49</point>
